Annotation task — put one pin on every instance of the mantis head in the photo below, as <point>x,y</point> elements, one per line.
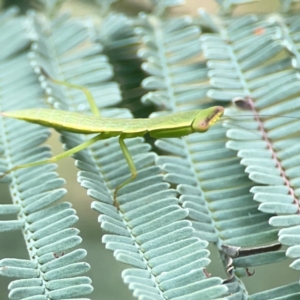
<point>207,118</point>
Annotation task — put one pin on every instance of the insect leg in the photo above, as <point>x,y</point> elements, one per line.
<point>131,166</point>
<point>55,158</point>
<point>86,91</point>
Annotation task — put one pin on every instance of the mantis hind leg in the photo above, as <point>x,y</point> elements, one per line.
<point>55,158</point>
<point>131,166</point>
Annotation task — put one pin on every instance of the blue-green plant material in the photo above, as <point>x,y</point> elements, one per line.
<point>235,186</point>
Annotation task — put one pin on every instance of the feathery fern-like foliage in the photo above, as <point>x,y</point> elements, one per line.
<point>236,186</point>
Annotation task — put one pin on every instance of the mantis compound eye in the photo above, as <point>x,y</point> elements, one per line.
<point>203,125</point>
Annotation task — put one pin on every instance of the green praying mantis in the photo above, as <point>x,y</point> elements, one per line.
<point>171,126</point>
